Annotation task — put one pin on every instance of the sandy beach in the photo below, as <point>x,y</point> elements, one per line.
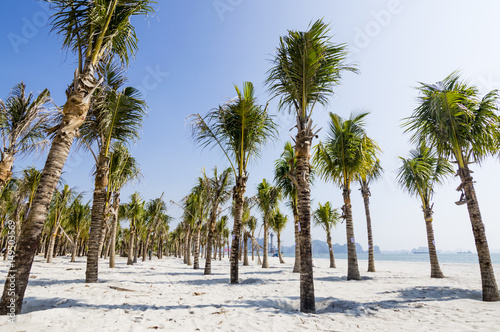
<point>168,295</point>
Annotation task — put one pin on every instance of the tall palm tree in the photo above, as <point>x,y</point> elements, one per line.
<point>240,128</point>
<point>306,68</point>
<point>123,169</point>
<point>114,116</point>
<point>218,193</point>
<point>96,31</point>
<point>285,173</point>
<point>134,212</point>
<point>327,217</point>
<point>373,173</point>
<point>462,127</point>
<point>23,121</point>
<point>278,222</point>
<point>268,198</point>
<point>343,157</point>
<point>155,211</point>
<point>418,175</point>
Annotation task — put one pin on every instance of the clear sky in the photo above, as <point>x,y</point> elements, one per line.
<point>192,52</point>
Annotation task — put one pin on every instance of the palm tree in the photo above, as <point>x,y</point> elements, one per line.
<point>96,31</point>
<point>23,121</point>
<point>278,222</point>
<point>220,227</point>
<point>418,175</point>
<point>463,127</point>
<point>134,212</point>
<point>252,225</point>
<point>155,213</point>
<point>240,127</point>
<point>78,220</point>
<point>218,193</point>
<point>373,173</point>
<point>327,217</point>
<point>342,158</point>
<point>306,68</point>
<point>123,169</point>
<point>268,198</point>
<point>114,116</point>
<point>285,173</point>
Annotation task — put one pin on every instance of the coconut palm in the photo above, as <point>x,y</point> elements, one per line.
<point>306,68</point>
<point>268,198</point>
<point>285,170</point>
<point>155,213</point>
<point>218,193</point>
<point>78,220</point>
<point>462,127</point>
<point>373,173</point>
<point>240,128</point>
<point>343,157</point>
<point>252,225</point>
<point>114,116</point>
<point>220,227</point>
<point>327,217</point>
<point>95,31</point>
<point>23,121</point>
<point>418,175</point>
<point>278,222</point>
<point>134,212</point>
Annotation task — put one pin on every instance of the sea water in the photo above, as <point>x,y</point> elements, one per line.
<point>410,257</point>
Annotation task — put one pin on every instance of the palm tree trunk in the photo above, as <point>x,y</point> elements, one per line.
<point>245,249</point>
<point>210,238</point>
<point>330,250</point>
<point>296,265</point>
<point>114,226</point>
<point>490,287</point>
<point>365,192</point>
<point>130,256</point>
<point>279,248</point>
<point>265,259</point>
<point>352,258</point>
<point>75,111</point>
<point>196,263</point>
<point>52,241</point>
<point>303,154</point>
<point>97,216</point>
<point>431,243</point>
<point>238,198</point>
<point>188,248</point>
<point>75,246</point>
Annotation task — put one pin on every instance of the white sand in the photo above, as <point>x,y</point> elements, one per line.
<point>168,295</point>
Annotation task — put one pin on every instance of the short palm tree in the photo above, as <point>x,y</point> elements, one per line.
<point>78,220</point>
<point>277,222</point>
<point>306,68</point>
<point>327,217</point>
<point>341,159</point>
<point>23,121</point>
<point>285,173</point>
<point>134,212</point>
<point>123,169</point>
<point>114,116</point>
<point>418,175</point>
<point>240,128</point>
<point>373,173</point>
<point>268,198</point>
<point>219,191</point>
<point>462,127</point>
<point>95,31</point>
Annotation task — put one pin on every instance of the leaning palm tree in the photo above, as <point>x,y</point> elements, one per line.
<point>114,116</point>
<point>96,31</point>
<point>240,128</point>
<point>463,127</point>
<point>23,121</point>
<point>343,157</point>
<point>218,193</point>
<point>327,217</point>
<point>285,173</point>
<point>373,173</point>
<point>418,175</point>
<point>123,169</point>
<point>278,222</point>
<point>268,198</point>
<point>306,68</point>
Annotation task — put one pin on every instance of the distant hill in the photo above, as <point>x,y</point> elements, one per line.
<point>321,247</point>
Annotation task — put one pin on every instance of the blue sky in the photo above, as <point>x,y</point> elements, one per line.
<point>192,52</point>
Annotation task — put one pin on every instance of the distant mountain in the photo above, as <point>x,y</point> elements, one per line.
<point>321,247</point>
